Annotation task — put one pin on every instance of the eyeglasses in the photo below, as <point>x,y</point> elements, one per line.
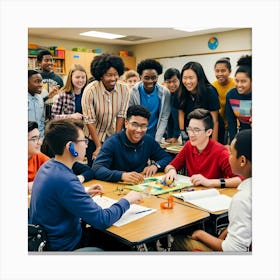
<point>195,130</point>
<point>111,75</point>
<point>83,140</point>
<point>137,125</point>
<point>175,81</point>
<point>36,139</point>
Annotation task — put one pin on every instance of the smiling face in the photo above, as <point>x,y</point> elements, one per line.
<point>222,73</point>
<point>110,78</point>
<point>136,127</point>
<point>34,142</point>
<point>149,78</point>
<point>172,84</point>
<point>79,79</point>
<point>35,84</point>
<point>47,63</point>
<point>190,81</point>
<point>198,136</point>
<point>243,83</point>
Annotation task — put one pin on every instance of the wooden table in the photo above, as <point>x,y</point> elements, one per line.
<point>154,226</point>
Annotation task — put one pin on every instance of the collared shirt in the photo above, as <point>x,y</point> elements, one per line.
<point>101,107</point>
<point>212,162</point>
<point>36,111</point>
<point>64,104</point>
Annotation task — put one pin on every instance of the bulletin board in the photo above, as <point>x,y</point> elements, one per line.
<point>206,60</point>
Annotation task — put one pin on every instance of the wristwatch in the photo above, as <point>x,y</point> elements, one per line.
<point>223,182</point>
<point>156,164</point>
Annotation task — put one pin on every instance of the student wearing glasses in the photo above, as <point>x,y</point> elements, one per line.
<point>59,202</point>
<point>206,161</point>
<point>153,96</point>
<point>36,158</point>
<point>104,102</point>
<point>124,156</point>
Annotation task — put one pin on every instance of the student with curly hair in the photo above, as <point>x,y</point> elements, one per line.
<point>131,77</point>
<point>104,102</point>
<point>239,99</point>
<point>153,96</point>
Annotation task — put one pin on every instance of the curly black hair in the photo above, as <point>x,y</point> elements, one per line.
<point>101,63</point>
<point>137,110</point>
<point>42,53</point>
<point>149,64</point>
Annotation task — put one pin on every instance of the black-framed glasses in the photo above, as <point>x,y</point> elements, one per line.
<point>174,81</point>
<point>195,130</point>
<point>137,125</point>
<point>36,139</point>
<point>83,140</point>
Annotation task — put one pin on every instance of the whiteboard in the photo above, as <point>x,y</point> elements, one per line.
<point>206,60</point>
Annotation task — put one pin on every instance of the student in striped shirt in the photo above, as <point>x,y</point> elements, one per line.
<point>104,102</point>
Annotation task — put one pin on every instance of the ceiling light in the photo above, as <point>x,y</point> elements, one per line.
<point>190,29</point>
<point>104,35</point>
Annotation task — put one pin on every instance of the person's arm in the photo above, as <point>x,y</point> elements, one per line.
<point>200,180</point>
<point>165,113</point>
<point>102,164</point>
<point>208,239</point>
<point>181,120</point>
<point>119,124</point>
<point>83,172</point>
<point>214,115</point>
<point>231,118</point>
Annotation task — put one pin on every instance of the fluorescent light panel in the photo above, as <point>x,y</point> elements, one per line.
<point>104,35</point>
<point>190,29</point>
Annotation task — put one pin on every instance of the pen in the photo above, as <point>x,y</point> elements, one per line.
<point>142,211</point>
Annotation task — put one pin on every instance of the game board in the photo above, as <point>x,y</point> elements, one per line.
<point>155,185</point>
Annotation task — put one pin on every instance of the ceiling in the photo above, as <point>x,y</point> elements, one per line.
<point>134,36</point>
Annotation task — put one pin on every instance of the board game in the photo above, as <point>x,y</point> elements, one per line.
<point>156,186</point>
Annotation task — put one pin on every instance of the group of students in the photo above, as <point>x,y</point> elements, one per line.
<point>119,129</point>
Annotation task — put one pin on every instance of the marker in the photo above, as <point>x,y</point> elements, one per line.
<point>143,211</point>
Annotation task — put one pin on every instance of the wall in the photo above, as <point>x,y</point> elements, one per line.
<point>68,45</point>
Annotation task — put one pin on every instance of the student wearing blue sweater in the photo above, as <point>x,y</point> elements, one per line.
<point>59,202</point>
<point>125,156</point>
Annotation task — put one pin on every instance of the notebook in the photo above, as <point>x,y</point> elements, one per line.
<point>210,200</point>
<point>155,186</point>
<point>134,213</point>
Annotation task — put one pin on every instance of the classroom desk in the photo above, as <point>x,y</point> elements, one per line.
<point>154,226</point>
<point>218,220</point>
<point>177,147</point>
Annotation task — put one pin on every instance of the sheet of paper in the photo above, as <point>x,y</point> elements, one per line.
<point>132,214</point>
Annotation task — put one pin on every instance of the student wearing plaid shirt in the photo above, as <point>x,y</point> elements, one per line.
<point>68,102</point>
<point>104,102</point>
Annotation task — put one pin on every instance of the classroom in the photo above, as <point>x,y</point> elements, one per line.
<point>64,67</point>
<point>157,264</point>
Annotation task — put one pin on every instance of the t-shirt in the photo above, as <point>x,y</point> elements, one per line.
<point>34,164</point>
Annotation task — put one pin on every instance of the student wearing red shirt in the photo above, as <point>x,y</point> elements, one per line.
<point>206,161</point>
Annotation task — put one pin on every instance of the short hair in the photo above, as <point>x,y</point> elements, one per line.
<point>32,125</point>
<point>226,61</point>
<point>129,74</point>
<point>204,115</point>
<point>101,63</point>
<point>41,54</point>
<point>137,110</point>
<point>68,87</point>
<point>149,64</point>
<point>32,72</point>
<point>59,132</point>
<point>170,72</point>
<point>245,65</point>
<point>243,144</point>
